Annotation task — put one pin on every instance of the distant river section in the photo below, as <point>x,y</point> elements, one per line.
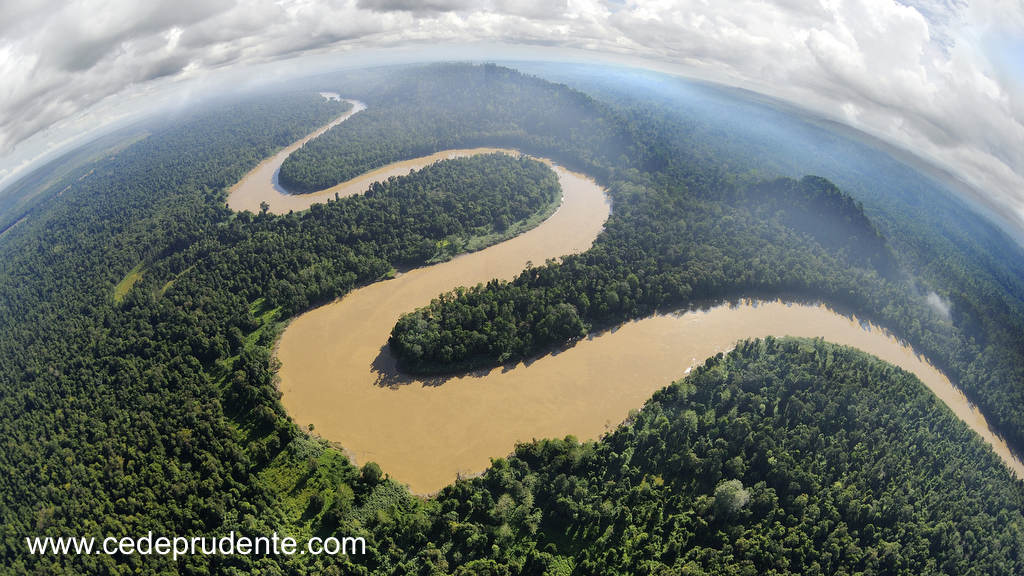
<point>338,374</point>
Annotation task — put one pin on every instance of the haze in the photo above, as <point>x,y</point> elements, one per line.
<point>939,78</point>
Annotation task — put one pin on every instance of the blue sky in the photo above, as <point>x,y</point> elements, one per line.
<point>942,78</point>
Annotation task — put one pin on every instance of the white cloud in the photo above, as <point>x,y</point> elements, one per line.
<point>939,77</point>
<point>940,305</point>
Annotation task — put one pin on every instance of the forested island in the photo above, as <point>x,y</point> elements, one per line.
<point>157,410</point>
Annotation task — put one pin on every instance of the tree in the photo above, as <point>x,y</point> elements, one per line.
<point>730,498</point>
<point>371,474</point>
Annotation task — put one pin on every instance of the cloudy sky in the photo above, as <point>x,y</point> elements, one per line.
<point>944,78</point>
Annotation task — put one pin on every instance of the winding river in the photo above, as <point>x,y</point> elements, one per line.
<point>338,375</point>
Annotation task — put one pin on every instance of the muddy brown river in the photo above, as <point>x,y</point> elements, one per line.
<point>261,185</point>
<point>337,374</point>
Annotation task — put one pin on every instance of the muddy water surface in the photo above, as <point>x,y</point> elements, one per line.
<point>424,435</point>
<point>261,185</point>
<point>337,373</point>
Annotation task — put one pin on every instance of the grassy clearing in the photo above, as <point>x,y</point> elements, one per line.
<point>126,283</point>
<point>307,476</point>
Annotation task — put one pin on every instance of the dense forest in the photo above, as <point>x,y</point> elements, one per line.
<point>660,251</point>
<point>154,407</point>
<point>292,262</point>
<point>944,245</point>
<point>421,112</point>
<point>154,411</point>
<point>679,224</point>
<point>784,457</point>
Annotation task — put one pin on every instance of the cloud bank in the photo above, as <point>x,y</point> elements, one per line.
<point>942,78</point>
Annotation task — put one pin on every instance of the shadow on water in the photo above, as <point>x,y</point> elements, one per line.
<point>388,375</point>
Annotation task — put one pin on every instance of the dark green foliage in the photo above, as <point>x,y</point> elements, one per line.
<point>939,238</point>
<point>783,457</point>
<point>159,412</point>
<point>108,416</point>
<point>371,474</point>
<point>691,231</point>
<point>665,248</point>
<point>308,258</point>
<point>426,110</point>
<point>835,220</point>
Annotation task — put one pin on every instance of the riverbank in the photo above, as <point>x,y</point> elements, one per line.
<point>338,375</point>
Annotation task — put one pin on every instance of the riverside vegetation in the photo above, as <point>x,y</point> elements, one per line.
<point>158,411</point>
<point>764,461</point>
